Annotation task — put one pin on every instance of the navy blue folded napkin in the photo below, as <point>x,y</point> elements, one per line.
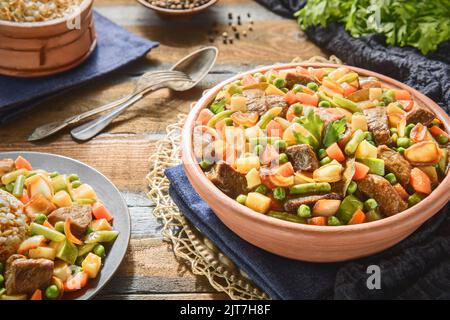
<point>116,47</point>
<point>415,268</point>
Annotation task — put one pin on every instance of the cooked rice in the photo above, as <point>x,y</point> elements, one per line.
<point>35,10</point>
<point>13,226</point>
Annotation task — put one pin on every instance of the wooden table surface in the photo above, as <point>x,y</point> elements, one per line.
<point>150,270</point>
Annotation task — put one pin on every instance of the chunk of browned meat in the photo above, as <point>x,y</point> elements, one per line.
<point>293,78</point>
<point>377,122</point>
<point>231,182</point>
<point>381,190</point>
<point>24,276</point>
<point>420,115</point>
<point>395,163</point>
<point>81,215</point>
<point>6,166</point>
<point>262,104</point>
<point>302,157</point>
<point>292,205</point>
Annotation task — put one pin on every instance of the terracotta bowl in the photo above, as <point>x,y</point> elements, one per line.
<point>32,49</point>
<point>177,13</point>
<point>308,242</point>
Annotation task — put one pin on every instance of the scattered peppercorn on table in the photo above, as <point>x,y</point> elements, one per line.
<point>150,270</point>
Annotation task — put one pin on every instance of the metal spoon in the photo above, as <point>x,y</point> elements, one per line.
<point>196,65</point>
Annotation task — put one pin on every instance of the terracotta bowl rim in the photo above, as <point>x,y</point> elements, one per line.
<point>436,200</point>
<point>83,6</point>
<point>177,12</point>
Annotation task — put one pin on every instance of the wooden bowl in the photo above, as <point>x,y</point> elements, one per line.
<point>308,242</point>
<point>177,13</point>
<point>32,49</point>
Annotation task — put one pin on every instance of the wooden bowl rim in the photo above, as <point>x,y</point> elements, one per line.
<point>83,6</point>
<point>430,205</point>
<point>177,12</point>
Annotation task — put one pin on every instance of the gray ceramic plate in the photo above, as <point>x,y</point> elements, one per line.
<point>108,193</point>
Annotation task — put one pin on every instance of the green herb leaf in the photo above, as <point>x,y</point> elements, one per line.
<point>312,122</point>
<point>218,106</point>
<point>333,132</point>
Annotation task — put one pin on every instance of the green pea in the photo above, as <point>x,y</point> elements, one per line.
<point>54,174</point>
<point>241,198</point>
<point>99,250</point>
<point>401,150</point>
<point>279,193</point>
<point>73,177</point>
<point>370,204</point>
<point>408,129</point>
<point>297,88</point>
<point>325,161</point>
<point>369,136</point>
<point>322,153</point>
<point>279,83</point>
<point>228,122</point>
<point>391,178</point>
<point>442,139</point>
<point>40,218</point>
<point>333,221</point>
<point>313,86</point>
<point>2,280</point>
<point>52,292</point>
<point>324,104</point>
<point>280,144</point>
<point>76,184</point>
<point>285,90</point>
<point>205,165</point>
<point>403,142</point>
<point>304,211</point>
<point>262,189</point>
<point>59,226</point>
<point>352,187</point>
<point>297,108</point>
<point>283,158</point>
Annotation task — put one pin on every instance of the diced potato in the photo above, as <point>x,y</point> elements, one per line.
<point>42,252</point>
<point>245,164</point>
<point>92,264</point>
<point>100,225</point>
<point>366,150</point>
<point>273,91</point>
<point>254,132</point>
<point>235,137</point>
<point>238,103</point>
<point>395,114</point>
<point>326,207</point>
<point>359,121</point>
<point>253,178</point>
<point>330,172</point>
<point>84,191</point>
<point>61,270</point>
<point>423,153</point>
<point>431,172</point>
<point>375,93</point>
<point>62,199</point>
<point>258,202</point>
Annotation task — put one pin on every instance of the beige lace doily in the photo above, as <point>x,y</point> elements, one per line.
<point>188,244</point>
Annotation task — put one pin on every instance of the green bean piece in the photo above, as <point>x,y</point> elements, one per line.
<point>373,215</point>
<point>414,199</point>
<point>85,201</point>
<point>297,88</point>
<point>325,161</point>
<point>297,108</point>
<point>12,176</point>
<point>54,174</point>
<point>442,139</point>
<point>262,189</point>
<point>279,193</point>
<point>370,204</point>
<point>59,226</point>
<point>2,280</point>
<point>73,177</point>
<point>99,250</point>
<point>352,187</point>
<point>76,184</point>
<point>242,198</point>
<point>324,97</point>
<point>369,136</point>
<point>346,104</point>
<point>408,129</point>
<point>403,142</point>
<point>304,211</point>
<point>322,153</point>
<point>348,207</point>
<point>18,186</point>
<point>286,216</point>
<point>52,292</point>
<point>313,86</point>
<point>269,115</point>
<point>10,187</point>
<point>391,178</point>
<point>31,173</point>
<point>279,83</point>
<point>349,77</point>
<point>40,218</point>
<point>333,221</point>
<point>283,158</point>
<point>393,130</point>
<point>218,117</point>
<point>324,104</point>
<point>314,187</point>
<point>357,138</point>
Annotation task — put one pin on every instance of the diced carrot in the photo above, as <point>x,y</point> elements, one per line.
<point>348,89</point>
<point>358,217</point>
<point>269,154</point>
<point>303,72</point>
<point>333,86</point>
<point>100,212</point>
<point>435,131</point>
<point>361,171</point>
<point>204,116</point>
<point>24,198</point>
<point>274,129</point>
<point>286,170</point>
<point>37,295</point>
<point>22,163</point>
<point>402,95</point>
<point>76,281</point>
<point>334,152</point>
<point>308,99</point>
<point>318,221</point>
<point>318,73</point>
<point>248,80</point>
<point>69,234</point>
<point>420,181</point>
<point>407,104</point>
<point>290,97</point>
<point>401,191</point>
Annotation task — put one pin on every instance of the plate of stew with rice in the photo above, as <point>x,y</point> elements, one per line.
<point>64,228</point>
<point>320,146</point>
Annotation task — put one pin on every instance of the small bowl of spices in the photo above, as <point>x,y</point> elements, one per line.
<point>44,37</point>
<point>177,7</point>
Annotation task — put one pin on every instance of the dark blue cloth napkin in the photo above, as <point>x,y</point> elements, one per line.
<point>116,47</point>
<point>415,268</point>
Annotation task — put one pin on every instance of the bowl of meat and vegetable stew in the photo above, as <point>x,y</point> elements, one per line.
<point>54,232</point>
<point>318,162</point>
